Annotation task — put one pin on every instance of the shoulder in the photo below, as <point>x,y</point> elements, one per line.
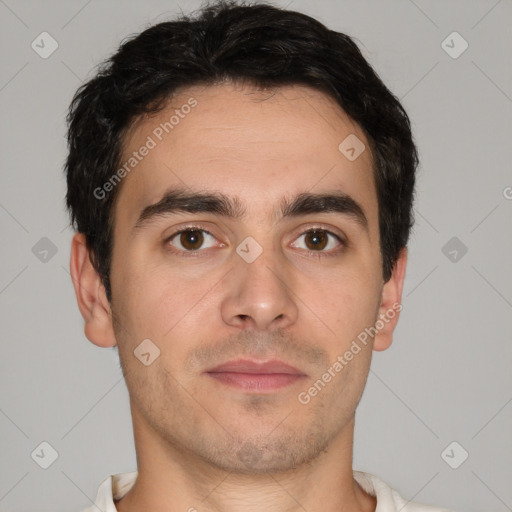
<point>389,500</point>
<point>114,487</point>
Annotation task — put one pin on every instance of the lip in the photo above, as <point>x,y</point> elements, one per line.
<point>257,376</point>
<point>260,367</point>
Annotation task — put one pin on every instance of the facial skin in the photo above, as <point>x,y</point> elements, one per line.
<point>201,443</point>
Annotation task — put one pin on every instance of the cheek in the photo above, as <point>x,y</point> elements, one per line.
<point>137,302</point>
<point>147,310</point>
<point>157,301</point>
<point>350,304</point>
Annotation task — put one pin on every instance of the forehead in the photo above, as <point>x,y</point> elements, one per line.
<point>258,145</point>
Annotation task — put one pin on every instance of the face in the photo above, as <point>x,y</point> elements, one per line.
<point>249,293</point>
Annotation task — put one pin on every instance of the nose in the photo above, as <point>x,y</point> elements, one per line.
<point>258,295</point>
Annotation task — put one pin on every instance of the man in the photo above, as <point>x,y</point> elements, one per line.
<point>241,184</point>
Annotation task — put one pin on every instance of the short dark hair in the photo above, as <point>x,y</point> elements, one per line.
<point>253,43</point>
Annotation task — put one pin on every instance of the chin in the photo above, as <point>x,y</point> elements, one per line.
<point>266,455</point>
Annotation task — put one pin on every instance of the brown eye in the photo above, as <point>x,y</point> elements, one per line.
<point>192,240</point>
<point>316,240</point>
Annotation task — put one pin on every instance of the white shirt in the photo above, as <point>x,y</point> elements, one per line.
<point>115,487</point>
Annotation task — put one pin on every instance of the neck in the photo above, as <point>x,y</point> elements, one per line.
<point>170,479</point>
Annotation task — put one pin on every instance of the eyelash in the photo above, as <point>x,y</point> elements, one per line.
<point>197,253</point>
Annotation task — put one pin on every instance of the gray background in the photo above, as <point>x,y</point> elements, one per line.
<point>447,375</point>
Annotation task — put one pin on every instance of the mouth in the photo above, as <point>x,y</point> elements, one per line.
<point>256,376</point>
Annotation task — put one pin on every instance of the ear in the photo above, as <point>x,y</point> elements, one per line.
<point>391,304</point>
<point>90,295</point>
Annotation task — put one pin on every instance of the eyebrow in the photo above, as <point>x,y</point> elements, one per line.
<point>306,203</point>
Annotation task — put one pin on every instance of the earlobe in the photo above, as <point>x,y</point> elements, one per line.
<point>90,295</point>
<point>391,304</point>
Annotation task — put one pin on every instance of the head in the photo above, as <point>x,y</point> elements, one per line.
<point>240,125</point>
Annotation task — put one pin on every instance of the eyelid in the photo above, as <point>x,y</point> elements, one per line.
<point>187,227</point>
<point>307,227</point>
<point>184,229</point>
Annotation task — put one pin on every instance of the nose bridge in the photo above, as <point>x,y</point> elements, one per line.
<point>258,294</point>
